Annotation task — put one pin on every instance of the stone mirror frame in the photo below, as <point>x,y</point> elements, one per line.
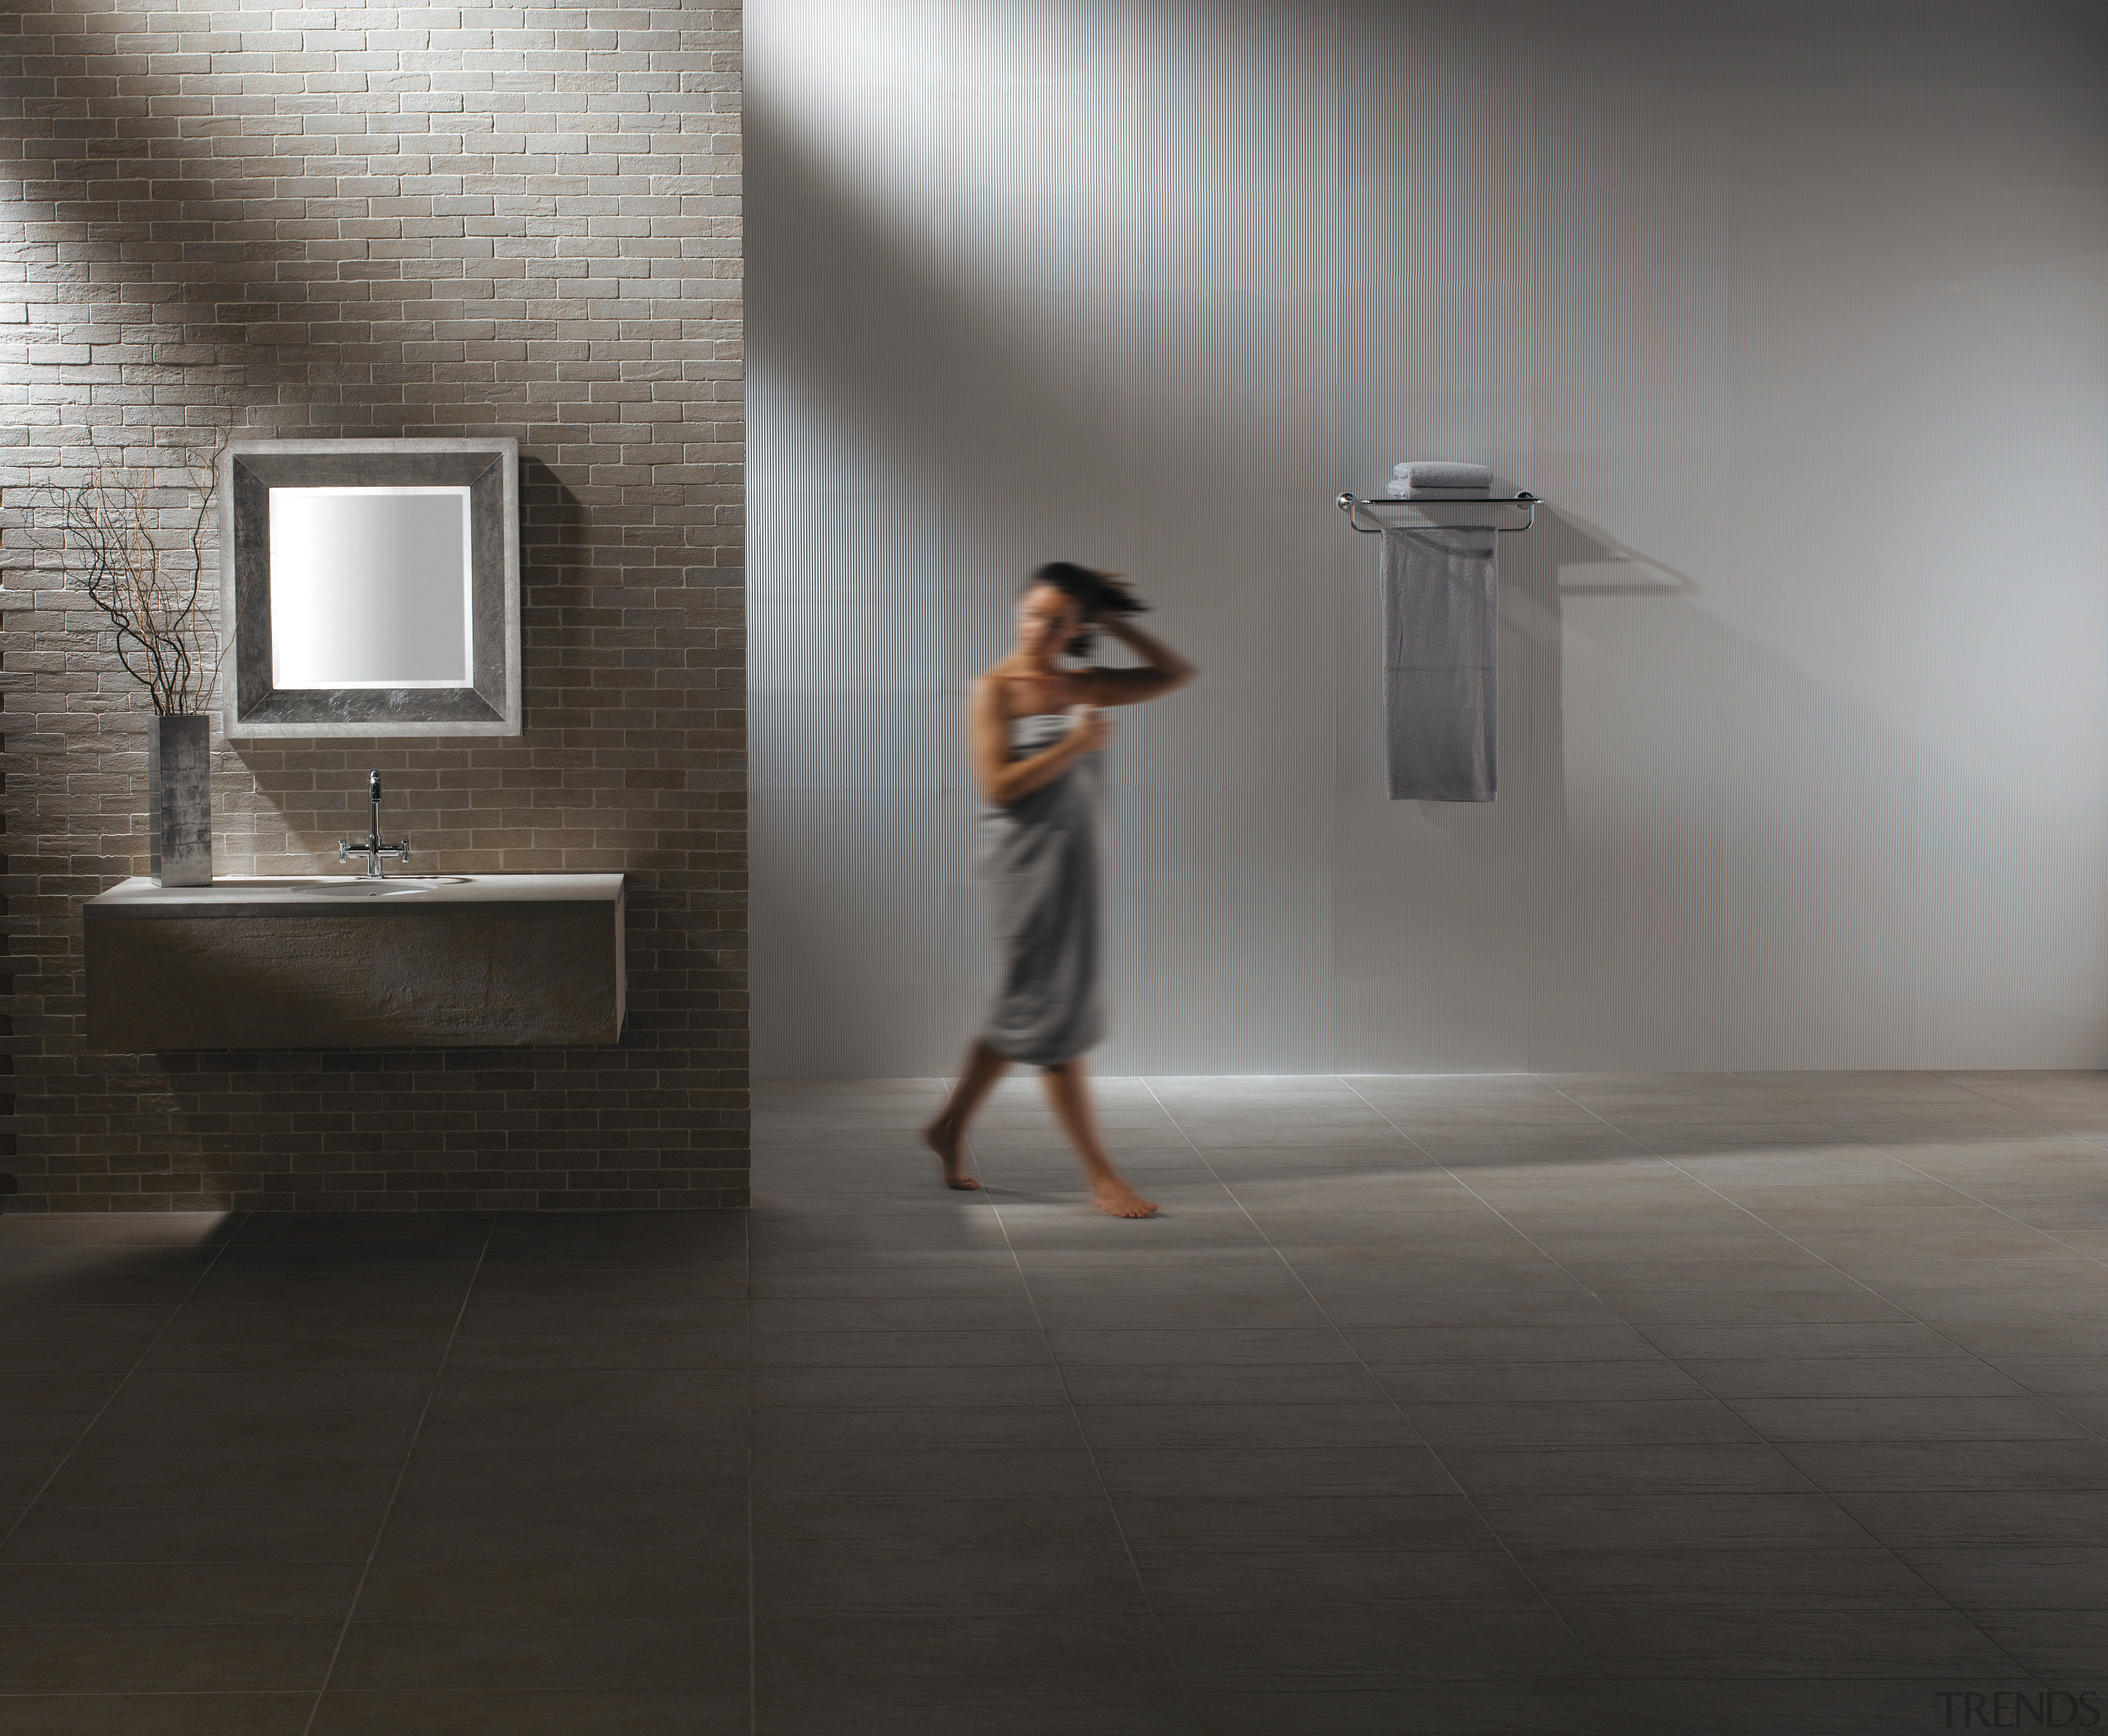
<point>469,490</point>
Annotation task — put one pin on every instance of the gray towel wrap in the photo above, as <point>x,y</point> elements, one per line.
<point>1441,690</point>
<point>1039,874</point>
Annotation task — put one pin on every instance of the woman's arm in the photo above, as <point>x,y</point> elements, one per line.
<point>1004,780</point>
<point>1163,668</point>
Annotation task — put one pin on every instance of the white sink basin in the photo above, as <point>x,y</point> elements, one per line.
<point>362,888</point>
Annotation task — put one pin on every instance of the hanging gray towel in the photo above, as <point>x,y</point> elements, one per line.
<point>1441,624</point>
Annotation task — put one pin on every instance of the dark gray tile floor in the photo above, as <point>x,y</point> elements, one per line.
<point>1759,1404</point>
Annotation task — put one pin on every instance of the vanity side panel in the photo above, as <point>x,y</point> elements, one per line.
<point>622,958</point>
<point>541,976</point>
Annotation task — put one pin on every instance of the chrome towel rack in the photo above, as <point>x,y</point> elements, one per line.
<point>1352,504</point>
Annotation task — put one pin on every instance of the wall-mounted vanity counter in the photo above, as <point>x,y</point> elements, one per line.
<point>421,961</point>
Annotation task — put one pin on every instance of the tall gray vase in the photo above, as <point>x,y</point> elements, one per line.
<point>179,800</point>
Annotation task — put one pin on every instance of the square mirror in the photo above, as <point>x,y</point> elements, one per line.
<point>372,586</point>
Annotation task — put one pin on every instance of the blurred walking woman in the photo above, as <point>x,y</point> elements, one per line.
<point>1037,730</point>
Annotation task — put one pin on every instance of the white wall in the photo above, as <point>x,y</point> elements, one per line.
<point>1794,314</point>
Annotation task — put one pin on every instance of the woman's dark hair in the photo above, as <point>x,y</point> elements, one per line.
<point>1094,592</point>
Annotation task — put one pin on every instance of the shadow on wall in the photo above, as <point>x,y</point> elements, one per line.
<point>179,251</point>
<point>833,352</point>
<point>450,802</point>
<point>1705,907</point>
<point>1571,544</point>
<point>1456,911</point>
<point>826,337</point>
<point>291,366</point>
<point>134,179</point>
<point>846,255</point>
<point>339,363</point>
<point>853,293</point>
<point>1535,569</point>
<point>1713,839</point>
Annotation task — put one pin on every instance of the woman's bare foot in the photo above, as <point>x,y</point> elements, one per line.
<point>1115,1196</point>
<point>945,1142</point>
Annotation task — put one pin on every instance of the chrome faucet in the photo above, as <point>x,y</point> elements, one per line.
<point>373,850</point>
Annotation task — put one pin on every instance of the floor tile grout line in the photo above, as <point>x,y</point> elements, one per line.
<point>1597,1296</point>
<point>1881,1146</point>
<point>2047,1398</point>
<point>2097,1431</point>
<point>1111,1506</point>
<point>2099,1141</point>
<point>123,1380</point>
<point>1361,1362</point>
<point>2023,1110</point>
<point>394,1492</point>
<point>1935,1597</point>
<point>1031,1279</point>
<point>1756,1216</point>
<point>1826,1494</point>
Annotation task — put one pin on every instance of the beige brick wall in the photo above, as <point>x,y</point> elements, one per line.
<point>382,220</point>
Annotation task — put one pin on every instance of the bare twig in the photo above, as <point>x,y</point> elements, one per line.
<point>150,587</point>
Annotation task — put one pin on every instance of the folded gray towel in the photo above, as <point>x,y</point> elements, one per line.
<point>1441,694</point>
<point>1398,488</point>
<point>1425,475</point>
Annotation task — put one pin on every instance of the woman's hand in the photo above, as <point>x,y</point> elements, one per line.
<point>1108,613</point>
<point>1089,728</point>
<point>1004,780</point>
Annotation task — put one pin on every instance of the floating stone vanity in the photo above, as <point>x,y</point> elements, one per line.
<point>421,961</point>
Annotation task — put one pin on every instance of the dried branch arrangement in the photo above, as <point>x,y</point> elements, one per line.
<point>146,577</point>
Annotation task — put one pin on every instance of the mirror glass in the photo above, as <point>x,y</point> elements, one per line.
<point>370,587</point>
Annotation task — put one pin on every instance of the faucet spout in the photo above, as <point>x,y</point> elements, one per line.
<point>373,850</point>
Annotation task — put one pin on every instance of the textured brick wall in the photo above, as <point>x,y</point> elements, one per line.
<point>415,221</point>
